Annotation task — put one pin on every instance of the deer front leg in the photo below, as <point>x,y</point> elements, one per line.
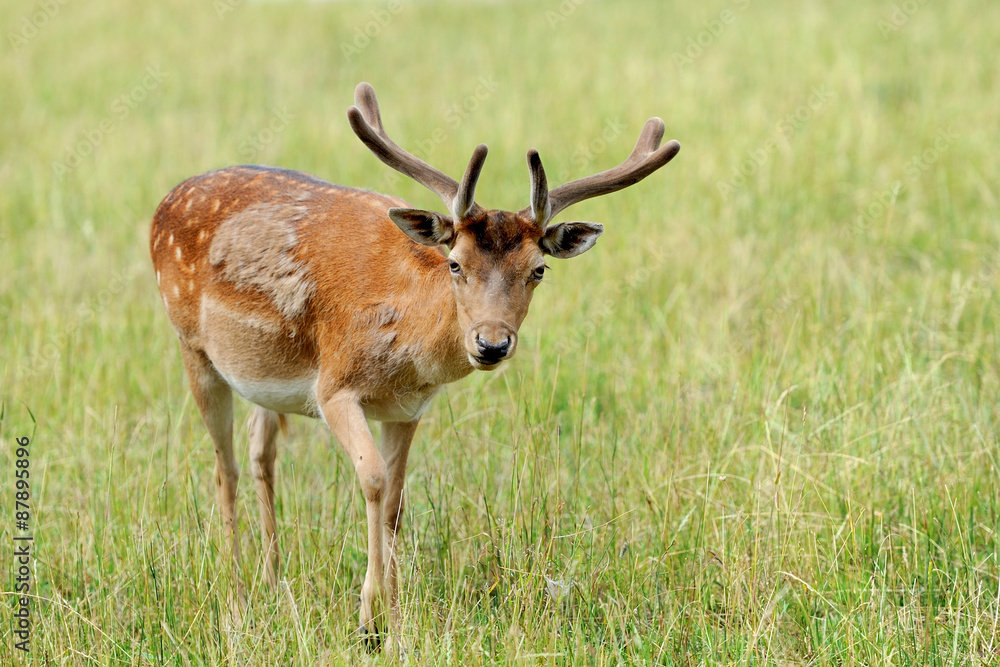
<point>396,440</point>
<point>346,418</point>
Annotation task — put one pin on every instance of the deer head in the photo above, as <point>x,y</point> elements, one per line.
<point>497,258</point>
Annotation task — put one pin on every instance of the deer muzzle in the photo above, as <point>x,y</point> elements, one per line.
<point>490,342</point>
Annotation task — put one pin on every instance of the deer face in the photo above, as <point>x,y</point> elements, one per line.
<point>497,259</point>
<point>495,264</point>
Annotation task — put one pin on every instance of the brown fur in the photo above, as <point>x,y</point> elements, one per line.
<point>499,233</point>
<point>272,277</point>
<point>308,298</point>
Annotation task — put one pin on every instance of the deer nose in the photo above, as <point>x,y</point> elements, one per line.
<point>492,351</point>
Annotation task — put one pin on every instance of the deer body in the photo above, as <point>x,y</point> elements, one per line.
<point>350,286</point>
<point>332,302</point>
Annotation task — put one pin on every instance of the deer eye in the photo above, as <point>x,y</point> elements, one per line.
<point>454,267</point>
<point>538,273</point>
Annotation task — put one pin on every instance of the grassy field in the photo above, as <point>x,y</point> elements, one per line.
<point>757,425</point>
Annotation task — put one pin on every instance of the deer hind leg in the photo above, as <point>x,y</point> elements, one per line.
<point>346,418</point>
<point>214,399</point>
<point>264,425</point>
<point>396,440</point>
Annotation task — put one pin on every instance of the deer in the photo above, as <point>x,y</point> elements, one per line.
<point>346,305</point>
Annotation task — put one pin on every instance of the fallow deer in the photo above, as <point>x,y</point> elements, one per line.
<point>338,303</point>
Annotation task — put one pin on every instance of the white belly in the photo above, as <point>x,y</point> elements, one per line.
<point>296,396</point>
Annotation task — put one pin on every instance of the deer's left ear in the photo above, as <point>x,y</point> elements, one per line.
<point>569,239</point>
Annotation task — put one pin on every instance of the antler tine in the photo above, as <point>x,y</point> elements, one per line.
<point>646,157</point>
<point>540,209</point>
<point>366,121</point>
<point>465,198</point>
<point>367,102</point>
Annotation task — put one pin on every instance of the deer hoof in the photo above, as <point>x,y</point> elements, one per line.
<point>371,639</point>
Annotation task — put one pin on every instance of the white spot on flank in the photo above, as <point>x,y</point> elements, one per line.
<point>190,286</point>
<point>201,236</point>
<point>215,205</point>
<point>187,207</point>
<point>178,252</point>
<point>192,267</point>
<point>166,306</point>
<point>177,291</point>
<point>170,241</point>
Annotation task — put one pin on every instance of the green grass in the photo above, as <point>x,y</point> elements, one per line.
<point>757,425</point>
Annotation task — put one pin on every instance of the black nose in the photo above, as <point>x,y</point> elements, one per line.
<point>492,351</point>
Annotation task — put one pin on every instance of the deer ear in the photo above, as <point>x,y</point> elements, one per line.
<point>569,239</point>
<point>425,227</point>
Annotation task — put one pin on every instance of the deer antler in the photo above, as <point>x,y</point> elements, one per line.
<point>646,157</point>
<point>366,121</point>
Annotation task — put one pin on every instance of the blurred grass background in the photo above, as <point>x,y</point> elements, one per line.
<point>756,425</point>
